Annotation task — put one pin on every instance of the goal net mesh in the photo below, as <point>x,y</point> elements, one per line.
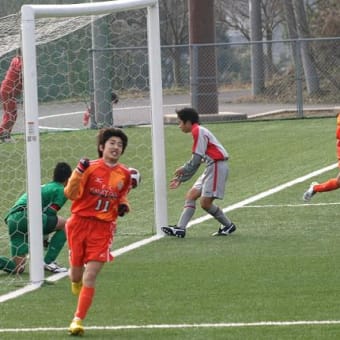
<point>80,59</point>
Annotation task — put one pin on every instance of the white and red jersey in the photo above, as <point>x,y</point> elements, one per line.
<point>206,145</point>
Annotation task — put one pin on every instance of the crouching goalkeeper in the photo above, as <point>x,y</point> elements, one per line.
<point>52,199</point>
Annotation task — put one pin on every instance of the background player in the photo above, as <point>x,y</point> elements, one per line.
<point>98,190</point>
<point>11,88</point>
<point>52,199</point>
<point>333,183</point>
<point>210,185</point>
<point>88,114</point>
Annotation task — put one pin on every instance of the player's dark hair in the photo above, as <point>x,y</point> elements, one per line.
<point>188,114</point>
<point>106,133</point>
<point>62,172</point>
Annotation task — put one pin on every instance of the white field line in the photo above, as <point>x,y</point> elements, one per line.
<point>290,205</point>
<point>57,115</point>
<point>171,326</point>
<point>146,241</point>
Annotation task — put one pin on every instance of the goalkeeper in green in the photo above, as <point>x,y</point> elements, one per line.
<point>52,199</point>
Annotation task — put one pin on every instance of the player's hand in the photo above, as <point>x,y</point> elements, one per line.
<point>174,183</point>
<point>123,209</point>
<point>83,164</point>
<point>179,172</point>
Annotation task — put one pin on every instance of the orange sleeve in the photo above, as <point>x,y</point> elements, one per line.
<point>74,189</point>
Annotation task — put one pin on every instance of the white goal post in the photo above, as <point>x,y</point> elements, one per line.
<point>29,13</point>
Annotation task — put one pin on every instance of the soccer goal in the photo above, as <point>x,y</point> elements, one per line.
<point>115,46</point>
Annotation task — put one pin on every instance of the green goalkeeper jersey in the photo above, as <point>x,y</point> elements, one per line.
<point>52,199</point>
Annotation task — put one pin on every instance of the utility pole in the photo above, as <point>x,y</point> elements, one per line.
<point>203,74</point>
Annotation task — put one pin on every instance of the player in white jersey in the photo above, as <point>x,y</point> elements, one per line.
<point>210,185</point>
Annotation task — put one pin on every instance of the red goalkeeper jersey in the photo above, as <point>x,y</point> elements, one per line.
<point>99,190</point>
<point>13,78</point>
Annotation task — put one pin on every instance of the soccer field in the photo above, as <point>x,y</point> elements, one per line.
<point>276,277</point>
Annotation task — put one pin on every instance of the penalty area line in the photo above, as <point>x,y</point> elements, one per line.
<point>290,205</point>
<point>176,326</point>
<point>146,241</point>
<point>267,193</point>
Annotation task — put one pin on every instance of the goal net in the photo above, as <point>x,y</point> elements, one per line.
<point>76,58</point>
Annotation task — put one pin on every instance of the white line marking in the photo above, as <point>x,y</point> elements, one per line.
<point>146,241</point>
<point>57,115</point>
<point>41,127</point>
<point>267,193</point>
<point>290,205</point>
<point>12,295</point>
<point>171,326</point>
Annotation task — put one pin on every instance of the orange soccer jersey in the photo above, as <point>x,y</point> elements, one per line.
<point>96,195</point>
<point>98,192</point>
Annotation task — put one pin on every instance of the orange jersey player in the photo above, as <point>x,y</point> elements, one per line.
<point>333,183</point>
<point>11,88</point>
<point>338,138</point>
<point>98,190</point>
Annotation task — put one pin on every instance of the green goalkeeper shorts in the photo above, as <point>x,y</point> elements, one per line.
<point>18,230</point>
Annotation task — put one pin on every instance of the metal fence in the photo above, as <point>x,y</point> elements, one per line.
<point>294,74</point>
<point>246,77</point>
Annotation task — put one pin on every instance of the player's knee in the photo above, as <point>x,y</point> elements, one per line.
<point>60,223</point>
<point>205,205</point>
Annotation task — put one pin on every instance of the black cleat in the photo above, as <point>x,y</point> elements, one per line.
<point>173,230</point>
<point>225,230</point>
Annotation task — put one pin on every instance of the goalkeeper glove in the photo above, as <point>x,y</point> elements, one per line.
<point>122,209</point>
<point>83,164</point>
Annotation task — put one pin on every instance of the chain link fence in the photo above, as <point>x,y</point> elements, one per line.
<point>282,74</point>
<point>251,78</point>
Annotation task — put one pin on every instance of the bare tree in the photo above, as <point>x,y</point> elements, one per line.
<point>174,31</point>
<point>298,29</point>
<point>235,15</point>
<point>271,19</point>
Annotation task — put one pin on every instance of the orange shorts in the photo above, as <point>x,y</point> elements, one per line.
<point>89,240</point>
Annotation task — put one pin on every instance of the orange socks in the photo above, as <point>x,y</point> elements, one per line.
<point>330,185</point>
<point>84,302</point>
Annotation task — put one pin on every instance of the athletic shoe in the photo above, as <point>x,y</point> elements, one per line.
<point>76,327</point>
<point>310,192</point>
<point>7,140</point>
<point>173,230</point>
<point>54,267</point>
<point>224,231</point>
